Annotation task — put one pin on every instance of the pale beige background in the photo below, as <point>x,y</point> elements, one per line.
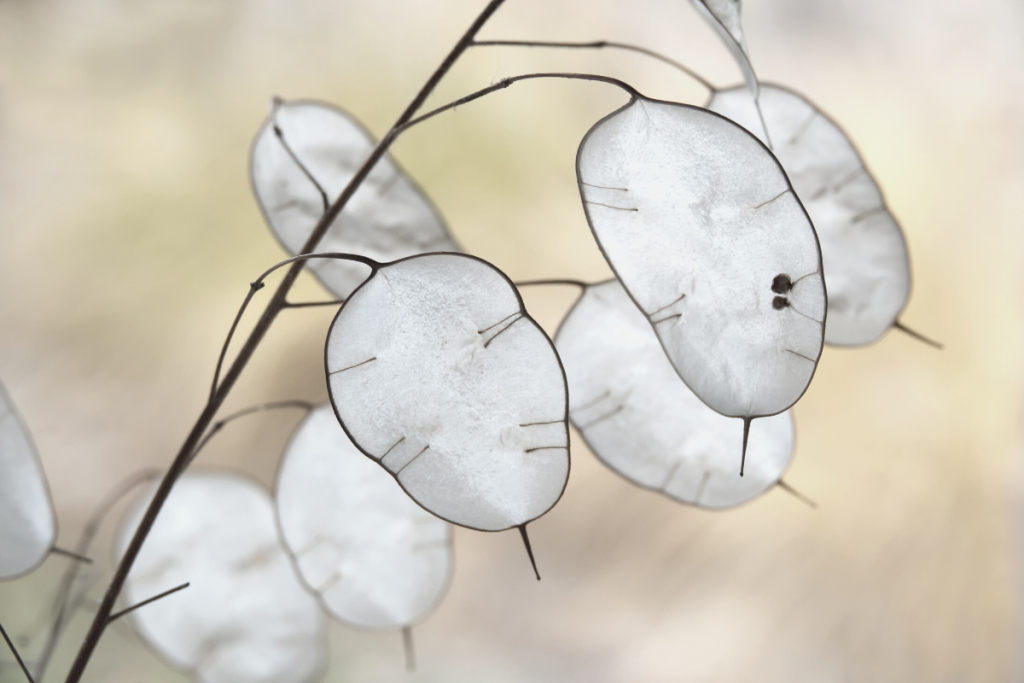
<point>129,235</point>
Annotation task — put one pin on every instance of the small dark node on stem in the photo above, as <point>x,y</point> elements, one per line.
<point>780,302</point>
<point>796,494</point>
<point>14,650</point>
<point>74,556</point>
<point>118,615</point>
<point>257,286</point>
<point>746,435</point>
<point>529,550</point>
<point>781,284</point>
<point>410,652</point>
<point>917,335</point>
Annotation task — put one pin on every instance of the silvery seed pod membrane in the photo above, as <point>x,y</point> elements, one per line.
<point>724,18</point>
<point>28,524</point>
<point>374,557</point>
<point>867,268</point>
<point>700,224</point>
<point>437,372</point>
<point>321,147</point>
<point>641,420</point>
<point>245,618</point>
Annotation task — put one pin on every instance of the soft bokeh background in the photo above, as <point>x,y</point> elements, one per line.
<point>129,235</point>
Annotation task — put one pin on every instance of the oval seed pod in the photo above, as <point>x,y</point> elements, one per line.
<point>437,372</point>
<point>724,17</point>
<point>867,268</point>
<point>701,226</point>
<point>244,618</point>
<point>641,421</point>
<point>374,557</point>
<point>28,524</point>
<point>303,157</point>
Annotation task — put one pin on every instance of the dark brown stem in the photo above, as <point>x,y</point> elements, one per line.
<point>916,335</point>
<point>505,82</point>
<point>274,306</point>
<point>118,615</point>
<point>746,435</point>
<point>796,494</point>
<point>410,651</point>
<point>17,656</point>
<point>529,549</point>
<point>311,304</point>
<point>219,425</point>
<point>571,283</point>
<point>600,44</point>
<point>64,604</point>
<point>74,556</point>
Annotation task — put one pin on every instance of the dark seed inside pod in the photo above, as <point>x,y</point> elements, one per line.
<point>780,302</point>
<point>781,284</point>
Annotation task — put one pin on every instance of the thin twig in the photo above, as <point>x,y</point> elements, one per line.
<point>600,44</point>
<point>17,656</point>
<point>531,283</point>
<point>505,82</point>
<point>65,606</point>
<point>118,615</point>
<point>310,304</point>
<point>917,335</point>
<point>275,405</point>
<point>74,556</point>
<point>258,285</point>
<point>291,153</point>
<point>796,494</point>
<point>410,651</point>
<point>259,331</point>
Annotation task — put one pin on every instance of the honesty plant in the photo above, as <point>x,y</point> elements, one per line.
<point>631,408</point>
<point>450,404</point>
<point>480,436</point>
<point>373,557</point>
<point>867,269</point>
<point>702,227</point>
<point>243,615</point>
<point>306,153</point>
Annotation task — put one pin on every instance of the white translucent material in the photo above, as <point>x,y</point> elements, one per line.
<point>867,268</point>
<point>437,372</point>
<point>639,418</point>
<point>699,222</point>
<point>375,558</point>
<point>387,218</point>
<point>724,17</point>
<point>28,524</point>
<point>245,618</point>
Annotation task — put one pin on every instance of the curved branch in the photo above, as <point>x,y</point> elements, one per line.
<point>505,82</point>
<point>600,44</point>
<point>219,425</point>
<point>274,306</point>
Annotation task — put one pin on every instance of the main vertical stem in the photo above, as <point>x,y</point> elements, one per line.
<point>276,304</point>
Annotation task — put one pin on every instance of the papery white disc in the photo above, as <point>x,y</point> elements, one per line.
<point>387,218</point>
<point>28,525</point>
<point>867,268</point>
<point>375,558</point>
<point>245,618</point>
<point>437,372</point>
<point>638,417</point>
<point>700,224</point>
